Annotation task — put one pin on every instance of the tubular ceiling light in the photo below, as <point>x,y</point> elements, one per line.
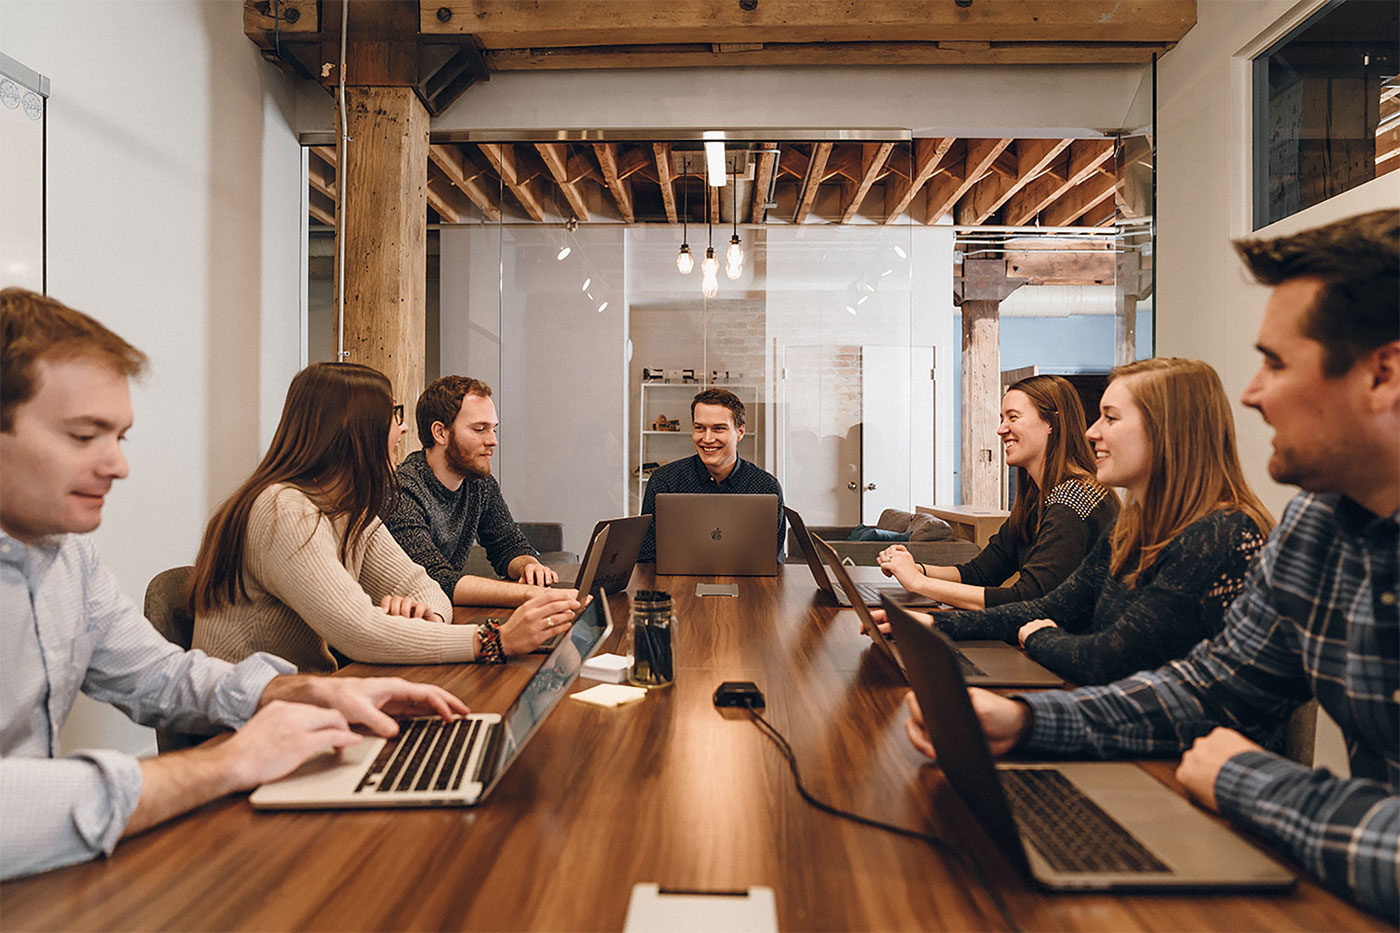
<point>714,163</point>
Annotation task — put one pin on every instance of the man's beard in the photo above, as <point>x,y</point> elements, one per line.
<point>459,462</point>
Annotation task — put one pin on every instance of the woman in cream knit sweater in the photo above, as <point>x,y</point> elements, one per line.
<point>297,561</point>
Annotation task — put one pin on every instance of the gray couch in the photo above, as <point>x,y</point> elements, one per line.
<point>932,540</point>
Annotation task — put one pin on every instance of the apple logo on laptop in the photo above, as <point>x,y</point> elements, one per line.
<point>717,534</point>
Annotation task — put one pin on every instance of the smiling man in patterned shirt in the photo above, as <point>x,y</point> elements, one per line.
<point>1318,615</point>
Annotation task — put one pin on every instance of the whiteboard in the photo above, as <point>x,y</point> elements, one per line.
<point>23,101</point>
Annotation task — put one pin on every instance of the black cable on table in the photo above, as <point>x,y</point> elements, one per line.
<point>937,842</point>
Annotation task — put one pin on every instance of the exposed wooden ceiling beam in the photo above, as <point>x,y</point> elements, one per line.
<point>446,198</point>
<point>823,54</point>
<point>511,24</point>
<point>1098,216</point>
<point>716,209</point>
<point>816,171</point>
<point>928,154</point>
<point>943,192</point>
<point>321,207</point>
<point>321,177</point>
<point>556,159</point>
<point>504,159</point>
<point>1031,157</point>
<point>661,152</point>
<point>620,188</point>
<point>762,179</point>
<point>634,160</point>
<point>1085,156</point>
<point>1089,193</point>
<point>326,154</point>
<point>465,175</point>
<point>873,157</point>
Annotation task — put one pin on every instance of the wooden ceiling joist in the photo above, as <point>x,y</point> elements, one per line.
<point>504,158</point>
<point>465,175</point>
<point>945,190</point>
<point>620,187</point>
<point>762,181</point>
<point>556,158</point>
<point>321,177</point>
<point>873,157</point>
<point>507,24</point>
<point>661,152</point>
<point>1031,157</point>
<point>816,171</point>
<point>321,207</point>
<point>1085,157</point>
<point>928,155</point>
<point>446,198</point>
<point>1088,194</point>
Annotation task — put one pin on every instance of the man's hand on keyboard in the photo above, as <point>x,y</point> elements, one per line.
<point>373,702</point>
<point>878,615</point>
<point>1004,721</point>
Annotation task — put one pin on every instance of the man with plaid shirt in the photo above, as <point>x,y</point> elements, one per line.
<point>1318,616</point>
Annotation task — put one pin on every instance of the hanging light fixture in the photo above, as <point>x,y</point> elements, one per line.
<point>684,260</point>
<point>734,256</point>
<point>709,285</point>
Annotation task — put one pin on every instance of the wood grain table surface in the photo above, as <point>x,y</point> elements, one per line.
<point>666,790</point>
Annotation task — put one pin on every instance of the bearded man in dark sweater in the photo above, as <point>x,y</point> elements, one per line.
<point>448,500</point>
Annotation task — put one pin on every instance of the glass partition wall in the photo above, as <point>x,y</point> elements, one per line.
<point>840,330</point>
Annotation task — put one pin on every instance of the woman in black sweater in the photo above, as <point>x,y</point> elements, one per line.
<point>1178,555</point>
<point>1060,512</point>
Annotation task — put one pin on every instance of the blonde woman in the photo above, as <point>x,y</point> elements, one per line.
<point>1180,550</point>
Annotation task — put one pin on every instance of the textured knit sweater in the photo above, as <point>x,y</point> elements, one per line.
<point>302,600</point>
<point>1106,630</point>
<point>436,526</point>
<point>1073,517</point>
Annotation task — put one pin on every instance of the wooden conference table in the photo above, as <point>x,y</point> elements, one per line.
<point>666,790</point>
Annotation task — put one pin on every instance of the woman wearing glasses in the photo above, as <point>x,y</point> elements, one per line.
<point>298,563</point>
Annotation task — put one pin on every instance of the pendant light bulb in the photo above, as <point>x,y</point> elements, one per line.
<point>684,260</point>
<point>733,269</point>
<point>709,285</point>
<point>735,254</point>
<point>710,266</point>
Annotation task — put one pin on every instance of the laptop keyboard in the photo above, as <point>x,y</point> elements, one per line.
<point>428,754</point>
<point>1069,829</point>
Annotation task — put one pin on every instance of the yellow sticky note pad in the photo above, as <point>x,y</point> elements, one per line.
<point>610,695</point>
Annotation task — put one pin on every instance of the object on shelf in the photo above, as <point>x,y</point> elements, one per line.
<point>652,375</point>
<point>662,423</point>
<point>688,375</point>
<point>645,469</point>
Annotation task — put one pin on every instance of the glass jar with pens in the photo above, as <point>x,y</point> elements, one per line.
<point>649,631</point>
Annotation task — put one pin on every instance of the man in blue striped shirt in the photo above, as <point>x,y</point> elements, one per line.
<point>1318,615</point>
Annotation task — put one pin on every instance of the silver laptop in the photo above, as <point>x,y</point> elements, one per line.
<point>616,557</point>
<point>1074,825</point>
<point>983,663</point>
<point>869,593</point>
<point>710,534</point>
<point>433,763</point>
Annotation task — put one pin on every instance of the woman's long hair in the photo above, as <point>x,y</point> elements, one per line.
<point>1067,453</point>
<point>1195,467</point>
<point>332,443</point>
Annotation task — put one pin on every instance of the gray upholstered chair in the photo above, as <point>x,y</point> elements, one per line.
<point>1300,738</point>
<point>165,606</point>
<point>545,537</point>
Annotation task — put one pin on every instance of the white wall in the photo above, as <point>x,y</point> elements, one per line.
<point>1208,308</point>
<point>930,100</point>
<point>173,193</point>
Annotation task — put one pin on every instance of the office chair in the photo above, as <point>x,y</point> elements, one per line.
<point>166,598</point>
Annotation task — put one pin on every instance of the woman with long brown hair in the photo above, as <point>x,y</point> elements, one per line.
<point>297,561</point>
<point>1178,555</point>
<point>1061,509</point>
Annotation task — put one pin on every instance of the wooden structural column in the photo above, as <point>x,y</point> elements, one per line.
<point>979,291</point>
<point>386,235</point>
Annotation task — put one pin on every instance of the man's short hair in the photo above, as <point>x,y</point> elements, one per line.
<point>723,398</point>
<point>1358,261</point>
<point>36,327</point>
<point>442,400</point>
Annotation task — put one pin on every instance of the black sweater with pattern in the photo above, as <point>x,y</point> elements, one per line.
<point>1105,630</point>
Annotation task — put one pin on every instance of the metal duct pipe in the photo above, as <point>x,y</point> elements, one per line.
<point>1059,300</point>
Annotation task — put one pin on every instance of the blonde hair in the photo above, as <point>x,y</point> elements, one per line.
<point>1195,465</point>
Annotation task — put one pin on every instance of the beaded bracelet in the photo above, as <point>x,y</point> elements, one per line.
<point>491,650</point>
